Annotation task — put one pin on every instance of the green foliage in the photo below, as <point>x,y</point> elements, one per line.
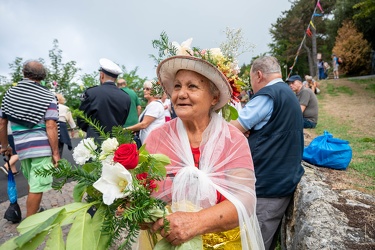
<point>334,91</point>
<point>95,124</point>
<point>235,44</point>
<point>135,82</point>
<point>362,161</point>
<point>101,231</point>
<point>289,30</point>
<point>353,49</point>
<point>16,66</point>
<point>358,11</point>
<point>369,83</point>
<point>62,73</point>
<point>165,48</point>
<point>366,9</point>
<point>118,133</point>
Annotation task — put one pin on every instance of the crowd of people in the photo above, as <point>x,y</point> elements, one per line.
<point>225,178</point>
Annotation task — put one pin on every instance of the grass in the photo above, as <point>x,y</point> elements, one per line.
<point>363,146</point>
<point>369,83</point>
<point>334,91</point>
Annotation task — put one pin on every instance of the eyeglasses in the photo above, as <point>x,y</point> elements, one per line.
<point>146,88</point>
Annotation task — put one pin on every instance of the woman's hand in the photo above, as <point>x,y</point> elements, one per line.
<point>182,227</point>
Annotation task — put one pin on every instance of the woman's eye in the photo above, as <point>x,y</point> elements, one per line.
<point>192,86</point>
<point>177,86</point>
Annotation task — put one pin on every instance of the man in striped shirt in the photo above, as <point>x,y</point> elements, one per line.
<point>32,112</point>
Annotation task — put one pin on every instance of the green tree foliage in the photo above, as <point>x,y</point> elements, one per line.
<point>135,82</point>
<point>288,32</point>
<point>64,74</point>
<point>361,12</point>
<point>16,67</point>
<point>365,19</point>
<point>16,76</point>
<point>353,49</point>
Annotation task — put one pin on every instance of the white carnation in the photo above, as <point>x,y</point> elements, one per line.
<point>109,145</point>
<point>84,151</point>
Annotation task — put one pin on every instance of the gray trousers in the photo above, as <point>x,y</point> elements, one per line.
<point>270,212</point>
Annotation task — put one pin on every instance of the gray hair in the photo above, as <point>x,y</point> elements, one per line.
<point>213,89</point>
<point>266,64</point>
<point>34,70</point>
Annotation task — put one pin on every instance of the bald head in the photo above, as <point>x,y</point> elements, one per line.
<point>34,70</point>
<point>121,83</point>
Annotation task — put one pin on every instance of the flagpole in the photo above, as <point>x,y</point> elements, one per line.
<point>304,38</point>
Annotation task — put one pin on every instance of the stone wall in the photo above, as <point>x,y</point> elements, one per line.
<point>322,218</point>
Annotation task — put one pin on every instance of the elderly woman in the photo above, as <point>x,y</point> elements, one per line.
<point>312,84</point>
<point>65,117</point>
<point>210,181</point>
<point>153,115</point>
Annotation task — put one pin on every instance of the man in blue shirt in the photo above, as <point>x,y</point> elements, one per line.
<point>272,120</point>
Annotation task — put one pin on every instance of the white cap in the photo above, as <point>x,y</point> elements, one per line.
<point>109,68</point>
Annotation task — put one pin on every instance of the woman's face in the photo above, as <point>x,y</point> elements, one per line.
<point>192,97</point>
<point>146,92</point>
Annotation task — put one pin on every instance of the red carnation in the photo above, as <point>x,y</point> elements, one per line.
<point>127,155</point>
<point>150,184</point>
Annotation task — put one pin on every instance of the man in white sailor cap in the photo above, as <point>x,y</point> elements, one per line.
<point>105,103</point>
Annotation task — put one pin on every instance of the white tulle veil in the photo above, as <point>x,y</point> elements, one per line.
<point>225,166</point>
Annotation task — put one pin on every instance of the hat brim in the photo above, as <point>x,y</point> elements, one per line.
<point>168,68</point>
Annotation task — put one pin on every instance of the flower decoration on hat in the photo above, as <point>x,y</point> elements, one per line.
<point>223,58</point>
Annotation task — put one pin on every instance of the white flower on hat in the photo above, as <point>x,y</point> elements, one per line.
<point>184,48</point>
<point>216,52</point>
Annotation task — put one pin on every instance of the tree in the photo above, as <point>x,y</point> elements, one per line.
<point>61,73</point>
<point>361,12</point>
<point>16,66</point>
<point>289,30</point>
<point>353,49</point>
<point>365,19</point>
<point>135,82</point>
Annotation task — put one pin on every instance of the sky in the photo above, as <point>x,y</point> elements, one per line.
<point>122,31</point>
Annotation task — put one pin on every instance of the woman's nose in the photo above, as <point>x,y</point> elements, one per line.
<point>182,93</point>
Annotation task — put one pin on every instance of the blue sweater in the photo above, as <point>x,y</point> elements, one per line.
<point>277,147</point>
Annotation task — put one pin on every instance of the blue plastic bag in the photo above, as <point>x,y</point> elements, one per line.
<point>326,151</point>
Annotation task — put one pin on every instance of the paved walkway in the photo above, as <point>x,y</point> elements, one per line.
<point>50,199</point>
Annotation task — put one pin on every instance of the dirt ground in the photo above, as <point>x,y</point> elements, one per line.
<point>359,111</point>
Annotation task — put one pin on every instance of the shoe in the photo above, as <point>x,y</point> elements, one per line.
<point>4,170</point>
<point>16,173</point>
<point>41,209</point>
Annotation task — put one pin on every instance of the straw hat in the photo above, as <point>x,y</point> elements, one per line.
<point>168,68</point>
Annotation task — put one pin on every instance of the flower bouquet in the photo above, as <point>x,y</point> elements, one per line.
<point>111,199</point>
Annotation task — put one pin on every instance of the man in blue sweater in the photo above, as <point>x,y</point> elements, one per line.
<point>273,122</point>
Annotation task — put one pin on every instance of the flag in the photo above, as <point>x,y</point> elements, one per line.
<point>308,32</point>
<point>320,7</point>
<point>311,23</point>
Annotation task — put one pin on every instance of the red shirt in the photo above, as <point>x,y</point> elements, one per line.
<point>196,156</point>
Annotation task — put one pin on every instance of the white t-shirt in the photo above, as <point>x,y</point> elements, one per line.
<point>167,103</point>
<point>154,109</point>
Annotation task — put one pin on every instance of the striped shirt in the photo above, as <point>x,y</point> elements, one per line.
<point>33,142</point>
